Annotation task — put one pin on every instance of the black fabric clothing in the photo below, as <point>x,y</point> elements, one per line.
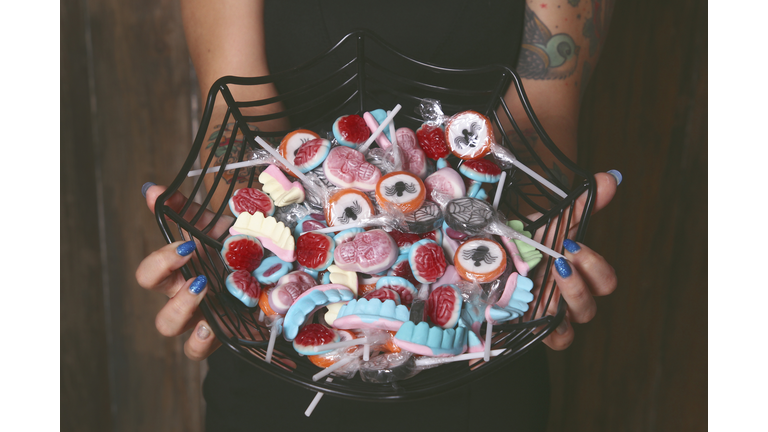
<point>451,33</point>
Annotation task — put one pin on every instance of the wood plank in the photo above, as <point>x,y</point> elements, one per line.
<point>142,90</point>
<point>641,364</point>
<point>85,399</point>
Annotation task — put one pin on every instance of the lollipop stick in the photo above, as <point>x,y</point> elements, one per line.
<point>329,370</point>
<point>261,316</point>
<point>291,167</point>
<point>337,228</point>
<point>272,338</point>
<point>431,361</point>
<point>363,147</point>
<point>366,352</point>
<point>487,351</point>
<point>317,398</point>
<point>499,187</point>
<point>342,344</point>
<point>509,232</point>
<point>541,179</point>
<point>229,167</point>
<point>395,153</point>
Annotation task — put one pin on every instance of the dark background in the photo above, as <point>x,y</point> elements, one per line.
<point>127,95</point>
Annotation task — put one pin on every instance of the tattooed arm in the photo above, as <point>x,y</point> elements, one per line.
<point>562,40</point>
<point>227,38</point>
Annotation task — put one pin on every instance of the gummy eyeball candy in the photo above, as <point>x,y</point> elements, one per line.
<point>242,252</point>
<point>469,134</point>
<point>347,206</point>
<point>251,200</point>
<point>480,260</point>
<point>402,190</point>
<point>350,130</point>
<point>244,287</point>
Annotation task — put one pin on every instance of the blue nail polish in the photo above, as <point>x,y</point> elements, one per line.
<point>571,246</point>
<point>563,268</point>
<point>616,175</point>
<point>187,248</point>
<point>198,285</point>
<point>146,186</point>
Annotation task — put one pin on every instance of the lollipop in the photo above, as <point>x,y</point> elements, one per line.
<point>469,134</point>
<point>402,190</point>
<point>347,206</point>
<point>474,217</point>
<point>480,260</point>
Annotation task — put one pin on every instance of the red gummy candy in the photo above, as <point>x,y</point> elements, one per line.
<point>430,261</point>
<point>353,129</point>
<point>442,306</point>
<point>432,141</point>
<point>483,166</point>
<point>307,151</point>
<point>244,254</point>
<point>314,335</point>
<point>314,250</point>
<point>404,240</point>
<point>403,270</point>
<point>406,297</point>
<point>250,200</point>
<point>246,283</point>
<point>383,294</point>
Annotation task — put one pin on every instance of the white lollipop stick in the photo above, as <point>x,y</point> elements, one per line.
<point>329,370</point>
<point>487,351</point>
<point>509,232</point>
<point>395,152</point>
<point>261,315</point>
<point>272,338</point>
<point>342,344</point>
<point>363,147</point>
<point>431,361</point>
<point>229,167</point>
<point>337,228</point>
<point>499,187</point>
<point>317,398</point>
<point>541,179</point>
<point>291,167</point>
<point>366,352</point>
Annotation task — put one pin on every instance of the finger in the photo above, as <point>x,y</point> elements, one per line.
<point>593,268</point>
<point>606,185</point>
<point>573,288</point>
<point>202,342</point>
<point>174,317</point>
<point>176,203</point>
<point>562,337</point>
<point>159,270</point>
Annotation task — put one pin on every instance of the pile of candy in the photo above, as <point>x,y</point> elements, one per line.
<point>382,259</point>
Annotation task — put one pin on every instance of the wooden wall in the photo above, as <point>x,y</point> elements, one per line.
<point>126,92</point>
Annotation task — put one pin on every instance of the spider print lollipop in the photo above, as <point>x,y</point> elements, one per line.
<point>402,190</point>
<point>469,134</point>
<point>475,217</point>
<point>480,260</point>
<point>347,206</point>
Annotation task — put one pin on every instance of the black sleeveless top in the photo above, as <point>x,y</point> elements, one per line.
<point>453,33</point>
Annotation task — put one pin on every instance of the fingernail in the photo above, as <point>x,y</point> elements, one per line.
<point>563,327</point>
<point>203,332</point>
<point>198,285</point>
<point>146,186</point>
<point>187,248</point>
<point>616,175</point>
<point>571,246</point>
<point>563,268</point>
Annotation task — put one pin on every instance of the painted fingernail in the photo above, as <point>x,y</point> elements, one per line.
<point>571,246</point>
<point>146,186</point>
<point>198,285</point>
<point>563,327</point>
<point>616,175</point>
<point>203,332</point>
<point>563,268</point>
<point>187,248</point>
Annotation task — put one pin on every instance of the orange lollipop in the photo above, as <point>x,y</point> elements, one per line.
<point>401,189</point>
<point>347,206</point>
<point>469,134</point>
<point>480,259</point>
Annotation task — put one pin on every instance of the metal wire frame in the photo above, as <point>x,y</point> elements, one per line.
<point>362,83</point>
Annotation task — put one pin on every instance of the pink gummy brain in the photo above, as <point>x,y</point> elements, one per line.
<point>346,167</point>
<point>369,252</point>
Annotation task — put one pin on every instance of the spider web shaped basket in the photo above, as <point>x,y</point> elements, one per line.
<point>355,76</point>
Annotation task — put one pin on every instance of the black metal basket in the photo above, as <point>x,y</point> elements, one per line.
<point>359,74</point>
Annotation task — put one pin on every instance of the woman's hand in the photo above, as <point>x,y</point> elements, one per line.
<point>159,272</point>
<point>583,275</point>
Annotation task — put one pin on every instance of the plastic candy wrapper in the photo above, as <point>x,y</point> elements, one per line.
<point>431,111</point>
<point>387,368</point>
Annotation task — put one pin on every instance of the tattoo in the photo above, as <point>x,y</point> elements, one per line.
<point>221,150</point>
<point>596,25</point>
<point>543,55</point>
<point>573,3</point>
<point>558,175</point>
<point>520,149</point>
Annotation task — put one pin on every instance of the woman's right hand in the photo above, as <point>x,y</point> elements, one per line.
<point>159,272</point>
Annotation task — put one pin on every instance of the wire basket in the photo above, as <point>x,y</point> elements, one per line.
<point>362,73</point>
